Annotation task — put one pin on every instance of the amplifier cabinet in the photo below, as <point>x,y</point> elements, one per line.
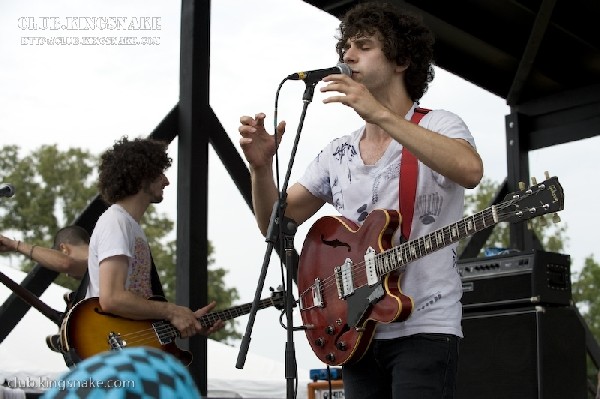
<point>516,279</point>
<point>529,353</point>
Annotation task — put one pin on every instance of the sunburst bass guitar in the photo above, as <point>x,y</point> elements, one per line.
<point>87,330</point>
<point>345,280</point>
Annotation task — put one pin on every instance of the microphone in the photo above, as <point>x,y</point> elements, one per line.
<point>318,74</point>
<point>6,190</point>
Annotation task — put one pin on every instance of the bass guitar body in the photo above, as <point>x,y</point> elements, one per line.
<point>339,309</point>
<point>87,330</point>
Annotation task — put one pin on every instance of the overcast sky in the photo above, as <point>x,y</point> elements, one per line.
<point>92,91</point>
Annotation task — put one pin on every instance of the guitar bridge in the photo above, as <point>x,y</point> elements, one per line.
<point>115,342</point>
<point>316,295</point>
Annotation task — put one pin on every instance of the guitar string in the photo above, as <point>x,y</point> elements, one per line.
<point>329,283</point>
<point>163,329</point>
<point>138,337</point>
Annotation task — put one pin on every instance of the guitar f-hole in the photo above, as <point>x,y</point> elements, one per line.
<point>336,243</point>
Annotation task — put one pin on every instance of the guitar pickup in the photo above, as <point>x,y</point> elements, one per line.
<point>343,279</point>
<point>370,269</point>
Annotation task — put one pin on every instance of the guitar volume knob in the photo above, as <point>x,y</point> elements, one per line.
<point>330,357</point>
<point>320,342</point>
<point>341,346</point>
<point>330,330</point>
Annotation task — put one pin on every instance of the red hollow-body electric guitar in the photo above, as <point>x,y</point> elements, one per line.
<point>349,277</point>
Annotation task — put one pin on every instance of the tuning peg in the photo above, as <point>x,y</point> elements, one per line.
<point>555,218</point>
<point>522,186</point>
<point>547,175</point>
<point>534,181</point>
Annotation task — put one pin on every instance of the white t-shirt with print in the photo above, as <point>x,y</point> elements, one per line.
<point>117,233</point>
<point>339,177</point>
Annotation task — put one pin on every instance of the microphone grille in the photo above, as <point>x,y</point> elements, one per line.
<point>344,68</point>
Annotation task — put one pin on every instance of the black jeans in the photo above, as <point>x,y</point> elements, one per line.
<point>420,366</point>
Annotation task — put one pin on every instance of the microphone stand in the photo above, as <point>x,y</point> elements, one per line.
<point>279,225</point>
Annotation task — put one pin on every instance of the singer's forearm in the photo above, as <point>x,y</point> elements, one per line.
<point>264,195</point>
<point>453,158</point>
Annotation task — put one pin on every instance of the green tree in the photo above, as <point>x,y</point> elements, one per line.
<point>551,235</point>
<point>585,293</point>
<point>52,187</point>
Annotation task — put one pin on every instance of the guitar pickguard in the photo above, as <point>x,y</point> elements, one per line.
<point>361,301</point>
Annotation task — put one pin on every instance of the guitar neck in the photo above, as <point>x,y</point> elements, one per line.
<point>398,257</point>
<point>31,299</point>
<point>168,332</point>
<point>231,313</point>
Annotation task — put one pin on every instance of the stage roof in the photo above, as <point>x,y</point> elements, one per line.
<point>520,50</point>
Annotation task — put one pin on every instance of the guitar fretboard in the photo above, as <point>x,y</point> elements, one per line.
<point>209,319</point>
<point>398,257</point>
<point>167,332</point>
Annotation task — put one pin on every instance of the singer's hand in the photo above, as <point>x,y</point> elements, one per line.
<point>356,96</point>
<point>257,144</point>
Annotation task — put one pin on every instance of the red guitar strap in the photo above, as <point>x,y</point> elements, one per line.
<point>408,180</point>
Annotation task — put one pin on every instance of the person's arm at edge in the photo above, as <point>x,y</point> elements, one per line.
<point>47,257</point>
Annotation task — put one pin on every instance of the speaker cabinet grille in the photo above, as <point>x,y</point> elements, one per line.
<point>535,352</point>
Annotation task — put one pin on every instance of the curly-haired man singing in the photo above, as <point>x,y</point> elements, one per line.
<point>390,54</point>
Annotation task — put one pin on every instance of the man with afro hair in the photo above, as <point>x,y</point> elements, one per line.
<point>131,178</point>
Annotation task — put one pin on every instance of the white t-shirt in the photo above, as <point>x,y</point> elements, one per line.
<point>339,177</point>
<point>117,233</point>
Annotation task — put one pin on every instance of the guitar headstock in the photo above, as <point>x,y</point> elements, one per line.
<point>537,200</point>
